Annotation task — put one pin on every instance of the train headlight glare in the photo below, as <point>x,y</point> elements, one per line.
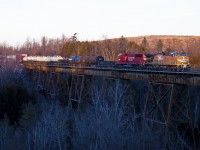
<point>182,60</point>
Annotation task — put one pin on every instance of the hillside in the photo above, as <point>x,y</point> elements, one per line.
<point>189,44</point>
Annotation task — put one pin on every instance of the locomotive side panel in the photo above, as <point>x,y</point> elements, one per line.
<point>131,58</point>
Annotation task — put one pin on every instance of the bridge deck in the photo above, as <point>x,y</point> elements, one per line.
<point>171,77</point>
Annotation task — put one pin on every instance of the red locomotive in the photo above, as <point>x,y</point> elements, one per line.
<point>132,58</point>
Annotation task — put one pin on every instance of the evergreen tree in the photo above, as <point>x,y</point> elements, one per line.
<point>159,46</point>
<point>144,44</point>
<point>28,116</point>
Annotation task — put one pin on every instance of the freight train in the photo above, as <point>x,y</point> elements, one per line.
<point>162,61</point>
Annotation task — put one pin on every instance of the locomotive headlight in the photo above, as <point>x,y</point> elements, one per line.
<point>182,60</point>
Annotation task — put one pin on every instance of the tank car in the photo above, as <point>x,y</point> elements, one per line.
<point>91,60</point>
<point>43,58</point>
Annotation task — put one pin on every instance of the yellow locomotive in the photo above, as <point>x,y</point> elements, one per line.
<point>172,60</point>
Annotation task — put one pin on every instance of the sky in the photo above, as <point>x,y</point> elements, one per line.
<point>96,19</point>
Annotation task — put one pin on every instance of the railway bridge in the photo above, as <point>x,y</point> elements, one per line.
<point>168,100</point>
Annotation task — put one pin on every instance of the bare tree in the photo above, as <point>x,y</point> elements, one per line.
<point>5,133</point>
<point>107,113</point>
<point>50,132</point>
<point>108,52</point>
<point>44,41</point>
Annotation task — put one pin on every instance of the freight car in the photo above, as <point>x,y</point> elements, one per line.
<point>15,58</point>
<point>84,60</point>
<point>91,60</point>
<point>42,58</point>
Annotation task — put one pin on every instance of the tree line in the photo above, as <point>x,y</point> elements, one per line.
<point>108,48</point>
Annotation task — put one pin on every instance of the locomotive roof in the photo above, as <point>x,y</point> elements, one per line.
<point>172,53</point>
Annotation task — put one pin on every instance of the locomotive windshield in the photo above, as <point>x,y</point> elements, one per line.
<point>138,55</point>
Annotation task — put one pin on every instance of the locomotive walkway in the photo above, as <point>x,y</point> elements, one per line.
<point>167,77</point>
